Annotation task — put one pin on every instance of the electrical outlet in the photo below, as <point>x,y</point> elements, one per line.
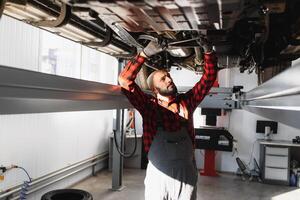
<point>2,170</point>
<point>1,174</point>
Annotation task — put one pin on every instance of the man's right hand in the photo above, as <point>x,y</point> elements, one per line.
<point>151,49</point>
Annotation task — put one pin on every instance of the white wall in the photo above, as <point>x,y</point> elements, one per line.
<point>42,143</point>
<point>241,124</point>
<point>19,44</point>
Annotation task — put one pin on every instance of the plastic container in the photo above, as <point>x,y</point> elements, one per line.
<point>293,180</point>
<point>298,179</point>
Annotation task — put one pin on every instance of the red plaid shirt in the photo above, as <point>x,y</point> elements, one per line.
<point>148,105</point>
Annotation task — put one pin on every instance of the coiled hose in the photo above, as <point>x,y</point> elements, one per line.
<point>123,154</point>
<point>24,190</point>
<point>25,186</point>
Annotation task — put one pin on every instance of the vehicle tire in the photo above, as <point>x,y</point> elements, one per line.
<point>67,194</point>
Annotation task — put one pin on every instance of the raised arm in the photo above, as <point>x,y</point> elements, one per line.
<point>129,73</point>
<point>202,87</point>
<point>126,78</point>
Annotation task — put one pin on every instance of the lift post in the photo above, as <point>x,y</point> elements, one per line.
<point>117,160</point>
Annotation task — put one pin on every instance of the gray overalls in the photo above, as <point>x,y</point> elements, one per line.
<point>171,172</point>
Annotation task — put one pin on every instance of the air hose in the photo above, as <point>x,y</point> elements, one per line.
<point>123,154</point>
<point>118,148</point>
<point>25,186</point>
<point>24,190</point>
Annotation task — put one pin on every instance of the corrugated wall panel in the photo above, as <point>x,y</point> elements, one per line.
<point>19,44</point>
<point>42,143</point>
<point>90,64</point>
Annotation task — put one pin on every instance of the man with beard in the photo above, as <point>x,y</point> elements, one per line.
<point>168,132</point>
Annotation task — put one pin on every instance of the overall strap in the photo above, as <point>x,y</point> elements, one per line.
<point>159,118</point>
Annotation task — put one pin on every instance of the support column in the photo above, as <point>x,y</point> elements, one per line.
<point>209,164</point>
<point>117,160</point>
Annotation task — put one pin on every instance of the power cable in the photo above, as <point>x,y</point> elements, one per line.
<point>123,154</point>
<point>25,172</point>
<point>118,148</point>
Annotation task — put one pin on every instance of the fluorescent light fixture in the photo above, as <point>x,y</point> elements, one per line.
<point>217,25</point>
<point>178,52</point>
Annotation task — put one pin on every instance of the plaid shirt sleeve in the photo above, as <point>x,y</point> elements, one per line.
<point>132,91</point>
<point>202,87</point>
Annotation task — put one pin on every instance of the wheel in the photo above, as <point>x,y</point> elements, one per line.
<point>67,194</point>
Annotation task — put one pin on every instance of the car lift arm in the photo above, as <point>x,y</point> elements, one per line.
<point>278,98</point>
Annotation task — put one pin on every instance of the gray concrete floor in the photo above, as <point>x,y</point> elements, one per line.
<point>224,187</point>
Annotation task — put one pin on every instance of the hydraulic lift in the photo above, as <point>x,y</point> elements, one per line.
<point>23,91</point>
<point>277,99</point>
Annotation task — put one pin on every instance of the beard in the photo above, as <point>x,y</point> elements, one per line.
<point>169,91</point>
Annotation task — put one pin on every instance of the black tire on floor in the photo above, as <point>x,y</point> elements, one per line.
<point>67,194</point>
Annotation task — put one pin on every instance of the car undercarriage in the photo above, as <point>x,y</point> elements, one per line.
<point>260,36</point>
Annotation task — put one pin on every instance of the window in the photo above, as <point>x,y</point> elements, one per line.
<point>43,51</point>
<point>59,56</point>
